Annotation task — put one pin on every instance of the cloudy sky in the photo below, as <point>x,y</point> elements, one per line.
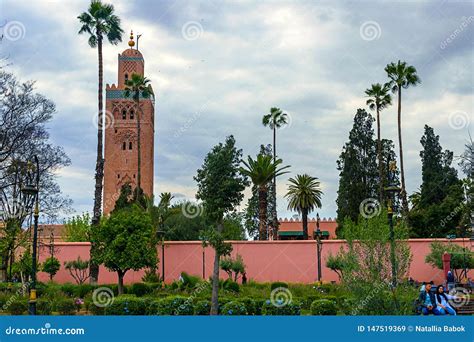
<point>217,67</point>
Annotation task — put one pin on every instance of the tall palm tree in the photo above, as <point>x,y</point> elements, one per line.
<point>275,119</point>
<point>138,86</point>
<point>99,22</point>
<point>261,171</point>
<point>401,77</point>
<point>379,99</point>
<point>304,195</point>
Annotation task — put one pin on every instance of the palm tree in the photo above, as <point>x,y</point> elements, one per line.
<point>275,119</point>
<point>138,86</point>
<point>379,99</point>
<point>401,77</point>
<point>261,171</point>
<point>304,195</point>
<point>99,22</point>
<point>165,200</point>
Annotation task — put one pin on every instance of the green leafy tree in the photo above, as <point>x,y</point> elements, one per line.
<point>78,228</point>
<point>233,227</point>
<point>78,269</point>
<point>466,162</point>
<point>51,266</point>
<point>402,76</point>
<point>358,176</point>
<point>440,206</point>
<point>461,257</point>
<point>234,267</point>
<point>99,22</point>
<point>126,241</point>
<point>368,241</point>
<point>135,87</point>
<point>304,195</point>
<point>261,171</point>
<point>275,120</point>
<point>379,99</point>
<point>220,188</point>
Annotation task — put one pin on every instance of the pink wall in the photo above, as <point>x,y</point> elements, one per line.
<point>266,261</point>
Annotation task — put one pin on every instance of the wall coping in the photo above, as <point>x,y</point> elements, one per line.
<point>252,242</point>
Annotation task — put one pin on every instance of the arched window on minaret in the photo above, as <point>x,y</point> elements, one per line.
<point>124,145</point>
<point>132,114</point>
<point>126,78</point>
<point>130,145</point>
<point>124,114</point>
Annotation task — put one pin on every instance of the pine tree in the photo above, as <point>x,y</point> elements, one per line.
<point>357,168</point>
<point>441,197</point>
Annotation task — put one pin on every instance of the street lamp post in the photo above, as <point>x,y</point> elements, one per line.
<point>391,190</point>
<point>161,234</point>
<point>31,190</point>
<point>319,246</point>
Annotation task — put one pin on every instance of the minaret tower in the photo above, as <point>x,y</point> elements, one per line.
<point>121,162</point>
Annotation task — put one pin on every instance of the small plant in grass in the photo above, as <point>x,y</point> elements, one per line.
<point>78,302</point>
<point>323,307</point>
<point>65,306</point>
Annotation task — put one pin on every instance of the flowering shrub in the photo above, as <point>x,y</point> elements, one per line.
<point>202,308</point>
<point>290,309</point>
<point>126,305</point>
<point>323,307</point>
<point>172,306</point>
<point>234,308</point>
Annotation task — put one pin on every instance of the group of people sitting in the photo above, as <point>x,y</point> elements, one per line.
<point>435,302</point>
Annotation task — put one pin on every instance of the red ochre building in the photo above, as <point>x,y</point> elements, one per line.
<point>291,229</point>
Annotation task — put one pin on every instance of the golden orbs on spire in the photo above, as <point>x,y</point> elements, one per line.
<point>131,42</point>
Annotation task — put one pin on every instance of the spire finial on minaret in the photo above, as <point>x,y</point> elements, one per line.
<point>131,42</point>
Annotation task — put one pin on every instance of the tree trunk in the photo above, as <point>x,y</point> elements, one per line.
<point>139,147</point>
<point>99,167</point>
<point>403,193</point>
<point>215,279</point>
<point>304,214</point>
<point>120,274</point>
<point>379,155</point>
<point>262,212</point>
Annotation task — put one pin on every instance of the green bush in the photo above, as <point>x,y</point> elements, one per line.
<point>44,307</point>
<point>250,305</point>
<point>202,308</point>
<point>231,286</point>
<point>69,289</point>
<point>234,308</point>
<point>174,306</point>
<point>290,309</point>
<point>140,289</point>
<point>259,302</point>
<point>323,307</point>
<point>65,306</point>
<point>18,307</point>
<point>82,290</point>
<point>278,284</point>
<point>189,281</point>
<point>126,305</point>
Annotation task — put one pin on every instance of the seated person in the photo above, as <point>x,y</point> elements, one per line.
<point>442,302</point>
<point>428,301</point>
